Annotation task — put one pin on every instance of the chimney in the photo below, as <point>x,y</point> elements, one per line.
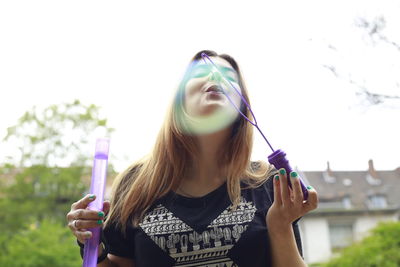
<point>328,174</point>
<point>328,168</point>
<point>371,169</point>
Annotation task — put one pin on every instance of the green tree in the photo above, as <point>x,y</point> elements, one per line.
<point>380,249</point>
<point>56,147</point>
<point>58,135</point>
<point>42,245</point>
<point>40,192</point>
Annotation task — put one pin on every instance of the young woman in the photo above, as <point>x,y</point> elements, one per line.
<point>197,199</point>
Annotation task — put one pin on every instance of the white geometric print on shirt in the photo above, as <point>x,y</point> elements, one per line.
<point>190,248</point>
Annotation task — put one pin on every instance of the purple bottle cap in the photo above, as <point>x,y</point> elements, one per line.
<point>278,159</point>
<point>102,148</point>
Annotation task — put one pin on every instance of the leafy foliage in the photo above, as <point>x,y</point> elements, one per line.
<point>36,191</point>
<point>40,192</point>
<point>49,244</point>
<point>58,135</point>
<point>380,249</point>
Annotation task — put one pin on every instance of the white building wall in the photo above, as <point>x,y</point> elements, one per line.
<point>364,224</point>
<point>315,234</point>
<point>315,239</point>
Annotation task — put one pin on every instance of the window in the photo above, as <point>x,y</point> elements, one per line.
<point>328,178</point>
<point>347,202</point>
<point>377,202</point>
<point>341,235</point>
<point>373,181</point>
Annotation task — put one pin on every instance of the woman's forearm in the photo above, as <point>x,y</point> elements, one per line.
<point>284,248</point>
<point>106,262</point>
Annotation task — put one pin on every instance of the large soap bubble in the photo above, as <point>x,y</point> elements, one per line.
<point>220,118</point>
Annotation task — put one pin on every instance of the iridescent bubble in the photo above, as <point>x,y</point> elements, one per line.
<point>199,125</point>
<point>220,118</point>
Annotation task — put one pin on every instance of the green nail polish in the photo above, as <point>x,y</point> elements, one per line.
<point>99,222</point>
<point>91,196</point>
<point>293,175</point>
<point>309,187</point>
<point>101,214</point>
<point>277,177</point>
<point>282,171</point>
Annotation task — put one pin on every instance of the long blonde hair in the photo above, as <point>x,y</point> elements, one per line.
<point>153,176</point>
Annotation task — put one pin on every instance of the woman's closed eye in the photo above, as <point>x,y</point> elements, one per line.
<point>200,71</point>
<point>204,70</point>
<point>230,78</point>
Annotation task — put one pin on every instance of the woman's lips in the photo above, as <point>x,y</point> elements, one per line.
<point>214,89</point>
<point>214,93</point>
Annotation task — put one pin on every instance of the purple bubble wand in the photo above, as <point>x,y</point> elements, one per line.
<point>278,157</point>
<point>97,187</point>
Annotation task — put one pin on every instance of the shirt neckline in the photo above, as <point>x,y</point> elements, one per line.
<point>205,197</point>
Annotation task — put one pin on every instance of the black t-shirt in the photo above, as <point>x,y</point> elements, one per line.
<point>205,231</point>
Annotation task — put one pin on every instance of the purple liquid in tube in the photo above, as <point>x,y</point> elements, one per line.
<point>97,187</point>
<point>278,157</point>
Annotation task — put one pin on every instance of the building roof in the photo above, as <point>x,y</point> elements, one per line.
<point>355,190</point>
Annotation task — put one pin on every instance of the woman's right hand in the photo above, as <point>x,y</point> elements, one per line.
<point>80,219</point>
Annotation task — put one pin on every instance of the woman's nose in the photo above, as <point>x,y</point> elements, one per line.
<point>215,76</point>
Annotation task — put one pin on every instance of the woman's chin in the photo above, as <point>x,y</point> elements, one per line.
<point>210,110</point>
<point>211,120</point>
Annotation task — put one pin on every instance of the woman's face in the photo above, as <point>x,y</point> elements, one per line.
<point>201,99</point>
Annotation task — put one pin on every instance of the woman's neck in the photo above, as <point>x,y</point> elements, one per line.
<point>205,174</point>
<point>210,147</point>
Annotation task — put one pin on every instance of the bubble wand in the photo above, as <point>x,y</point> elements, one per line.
<point>97,187</point>
<point>278,157</point>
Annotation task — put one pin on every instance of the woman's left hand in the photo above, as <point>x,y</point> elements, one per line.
<point>288,203</point>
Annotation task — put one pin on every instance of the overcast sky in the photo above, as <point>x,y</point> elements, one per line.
<point>129,56</point>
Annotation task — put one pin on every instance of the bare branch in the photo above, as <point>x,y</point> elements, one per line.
<point>375,28</point>
<point>372,98</point>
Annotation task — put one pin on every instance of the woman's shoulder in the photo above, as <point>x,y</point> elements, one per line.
<point>260,174</point>
<point>263,166</point>
<point>259,185</point>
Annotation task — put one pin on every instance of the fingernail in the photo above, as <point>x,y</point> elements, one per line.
<point>293,175</point>
<point>282,171</point>
<point>99,222</point>
<point>91,197</point>
<point>88,234</point>
<point>101,214</point>
<point>309,187</point>
<point>277,177</point>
